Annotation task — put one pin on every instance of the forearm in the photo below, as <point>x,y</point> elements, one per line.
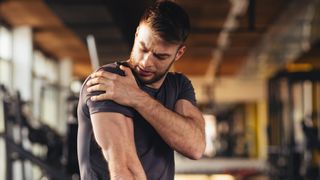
<point>179,132</point>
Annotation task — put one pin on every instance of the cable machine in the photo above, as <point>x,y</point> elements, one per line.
<point>294,125</point>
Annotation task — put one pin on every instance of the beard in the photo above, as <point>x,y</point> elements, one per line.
<point>157,76</point>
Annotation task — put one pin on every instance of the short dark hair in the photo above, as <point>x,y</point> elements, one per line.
<point>168,20</point>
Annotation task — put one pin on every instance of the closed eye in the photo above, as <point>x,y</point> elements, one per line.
<point>143,50</point>
<point>161,56</point>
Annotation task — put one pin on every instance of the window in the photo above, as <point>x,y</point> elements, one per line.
<point>5,43</point>
<point>45,89</point>
<point>5,79</point>
<point>5,57</point>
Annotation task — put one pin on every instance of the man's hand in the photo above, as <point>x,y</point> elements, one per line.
<point>121,89</point>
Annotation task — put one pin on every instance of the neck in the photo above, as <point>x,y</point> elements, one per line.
<point>157,85</point>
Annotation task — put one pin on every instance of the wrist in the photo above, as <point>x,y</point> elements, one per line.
<point>140,99</point>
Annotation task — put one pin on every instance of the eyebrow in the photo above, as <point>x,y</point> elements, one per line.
<point>156,54</point>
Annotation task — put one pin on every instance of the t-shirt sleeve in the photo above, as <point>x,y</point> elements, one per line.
<point>107,105</point>
<point>186,90</point>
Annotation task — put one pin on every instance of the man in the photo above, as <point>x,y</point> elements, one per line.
<point>134,114</point>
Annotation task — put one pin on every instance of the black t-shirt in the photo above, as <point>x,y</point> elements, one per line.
<point>156,156</point>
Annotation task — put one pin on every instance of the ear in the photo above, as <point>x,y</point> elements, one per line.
<point>180,52</point>
<point>137,31</point>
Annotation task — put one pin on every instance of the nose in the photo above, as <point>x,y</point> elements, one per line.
<point>147,60</point>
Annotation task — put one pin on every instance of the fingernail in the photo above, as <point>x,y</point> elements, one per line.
<point>92,98</point>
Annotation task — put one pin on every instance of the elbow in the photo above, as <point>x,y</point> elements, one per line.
<point>195,156</point>
<point>199,146</point>
<point>197,151</point>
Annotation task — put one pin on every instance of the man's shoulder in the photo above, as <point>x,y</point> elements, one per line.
<point>177,77</point>
<point>112,67</point>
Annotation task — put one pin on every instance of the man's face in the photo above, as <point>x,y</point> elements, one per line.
<point>152,57</point>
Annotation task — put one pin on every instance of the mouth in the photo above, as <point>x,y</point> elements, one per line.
<point>143,72</point>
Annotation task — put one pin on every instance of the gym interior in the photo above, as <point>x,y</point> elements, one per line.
<point>254,64</point>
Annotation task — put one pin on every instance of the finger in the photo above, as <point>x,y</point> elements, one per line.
<point>97,74</point>
<point>104,74</point>
<point>95,80</point>
<point>98,80</point>
<point>91,82</point>
<point>98,87</point>
<point>126,70</point>
<point>100,97</point>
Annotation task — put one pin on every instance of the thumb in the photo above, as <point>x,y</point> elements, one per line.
<point>126,70</point>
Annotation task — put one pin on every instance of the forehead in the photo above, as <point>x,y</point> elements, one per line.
<point>150,39</point>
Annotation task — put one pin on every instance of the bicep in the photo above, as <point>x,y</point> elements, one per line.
<point>114,134</point>
<point>112,130</point>
<point>186,109</point>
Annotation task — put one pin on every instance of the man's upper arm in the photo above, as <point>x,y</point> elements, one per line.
<point>186,103</point>
<point>186,90</point>
<point>113,132</point>
<point>186,109</point>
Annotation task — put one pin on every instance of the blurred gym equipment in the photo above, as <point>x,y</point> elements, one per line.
<point>58,162</point>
